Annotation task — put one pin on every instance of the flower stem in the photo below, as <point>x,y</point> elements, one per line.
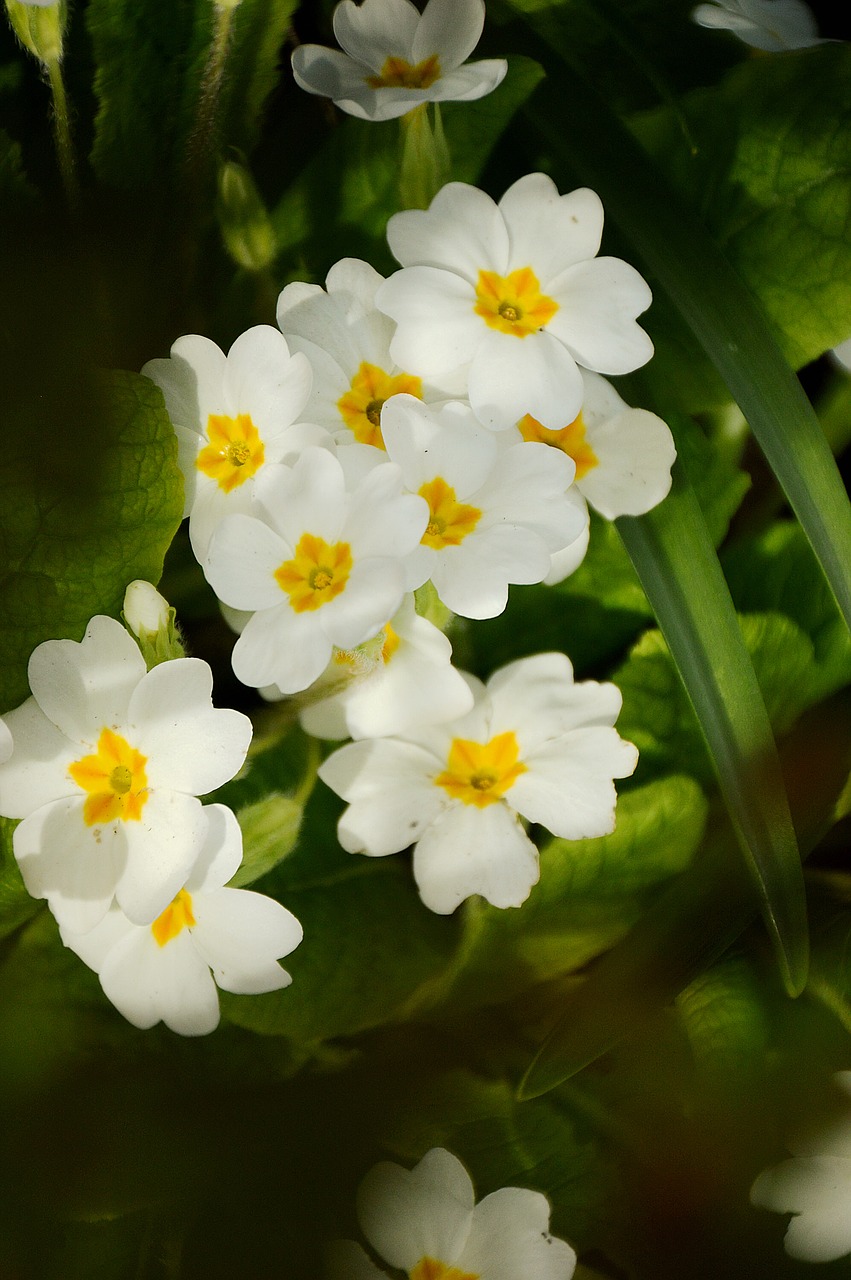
<point>426,163</point>
<point>202,137</point>
<point>62,132</point>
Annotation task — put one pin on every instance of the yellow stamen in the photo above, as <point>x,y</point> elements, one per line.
<point>570,439</point>
<point>513,303</point>
<point>449,520</point>
<point>176,917</point>
<point>317,573</point>
<point>115,780</point>
<point>391,643</point>
<point>235,452</point>
<point>432,1269</point>
<point>398,73</point>
<point>480,773</point>
<point>360,407</point>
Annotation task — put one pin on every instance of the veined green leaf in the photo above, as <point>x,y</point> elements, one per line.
<point>679,570</point>
<point>681,255</point>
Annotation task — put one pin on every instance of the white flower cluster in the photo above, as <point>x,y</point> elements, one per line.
<point>103,765</point>
<point>444,426</point>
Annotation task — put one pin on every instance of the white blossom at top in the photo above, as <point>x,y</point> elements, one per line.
<point>535,744</point>
<point>233,415</point>
<point>815,1186</point>
<point>517,290</point>
<point>425,1222</point>
<point>317,565</point>
<point>162,971</point>
<point>108,760</point>
<point>402,679</point>
<point>495,515</point>
<point>396,58</point>
<point>347,341</point>
<point>771,25</point>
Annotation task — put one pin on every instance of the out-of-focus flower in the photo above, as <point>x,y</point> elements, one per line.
<point>162,971</point>
<point>771,25</point>
<point>535,745</point>
<point>517,290</point>
<point>425,1222</point>
<point>107,762</point>
<point>317,565</point>
<point>233,415</point>
<point>815,1186</point>
<point>396,58</point>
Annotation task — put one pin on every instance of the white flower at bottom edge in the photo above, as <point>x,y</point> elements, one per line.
<point>396,58</point>
<point>425,1222</point>
<point>162,971</point>
<point>535,745</point>
<point>815,1186</point>
<point>770,25</point>
<point>107,764</point>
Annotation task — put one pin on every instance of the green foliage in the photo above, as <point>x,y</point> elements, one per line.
<point>270,830</point>
<point>63,560</point>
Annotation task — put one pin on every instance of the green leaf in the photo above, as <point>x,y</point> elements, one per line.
<point>253,67</point>
<point>672,552</point>
<point>70,544</point>
<point>725,1018</point>
<point>681,254</point>
<point>270,830</point>
<point>16,905</point>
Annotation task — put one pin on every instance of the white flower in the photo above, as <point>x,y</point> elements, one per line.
<point>396,58</point>
<point>535,744</point>
<point>495,515</point>
<point>107,762</point>
<point>347,341</point>
<point>517,290</point>
<point>233,415</point>
<point>425,1222</point>
<point>145,610</point>
<point>842,355</point>
<point>401,680</point>
<point>771,25</point>
<point>161,971</point>
<point>317,566</point>
<point>815,1186</point>
<point>5,741</point>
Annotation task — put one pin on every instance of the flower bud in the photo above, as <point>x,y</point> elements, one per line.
<point>152,622</point>
<point>246,228</point>
<point>39,27</point>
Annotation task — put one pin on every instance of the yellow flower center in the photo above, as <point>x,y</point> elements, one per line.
<point>317,573</point>
<point>570,439</point>
<point>398,73</point>
<point>449,520</point>
<point>235,452</point>
<point>480,773</point>
<point>360,407</point>
<point>432,1269</point>
<point>391,643</point>
<point>114,778</point>
<point>513,303</point>
<point>176,917</point>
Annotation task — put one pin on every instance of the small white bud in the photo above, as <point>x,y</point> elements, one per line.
<point>144,608</point>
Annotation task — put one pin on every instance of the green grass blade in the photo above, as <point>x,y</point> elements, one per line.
<point>678,251</point>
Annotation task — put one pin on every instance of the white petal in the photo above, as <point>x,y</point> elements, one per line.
<point>94,946</point>
<point>510,377</point>
<point>537,698</point>
<point>451,29</point>
<point>6,742</point>
<point>424,1212</point>
<point>426,442</point>
<point>550,232</point>
<point>221,853</point>
<point>818,1190</point>
<point>470,850</point>
<point>280,647</point>
<point>529,487</point>
<point>598,302</point>
<point>373,30</point>
<point>73,865</point>
<point>373,594</point>
<point>37,771</point>
<point>264,380</point>
<point>308,497</point>
<point>84,687</point>
<point>565,562</point>
<point>148,983</point>
<point>191,745</point>
<point>472,579</point>
<point>241,935</point>
<point>191,380</point>
<point>470,82</point>
<point>384,522</point>
<point>435,311</point>
<point>510,1239</point>
<point>162,847</point>
<point>462,231</point>
<point>393,798</point>
<point>568,787</point>
<point>635,453</point>
<point>241,562</point>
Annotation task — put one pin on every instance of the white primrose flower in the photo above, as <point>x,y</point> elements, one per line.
<point>316,565</point>
<point>402,679</point>
<point>396,58</point>
<point>516,290</point>
<point>107,763</point>
<point>6,743</point>
<point>347,341</point>
<point>535,744</point>
<point>495,515</point>
<point>162,971</point>
<point>233,415</point>
<point>815,1186</point>
<point>425,1222</point>
<point>771,25</point>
